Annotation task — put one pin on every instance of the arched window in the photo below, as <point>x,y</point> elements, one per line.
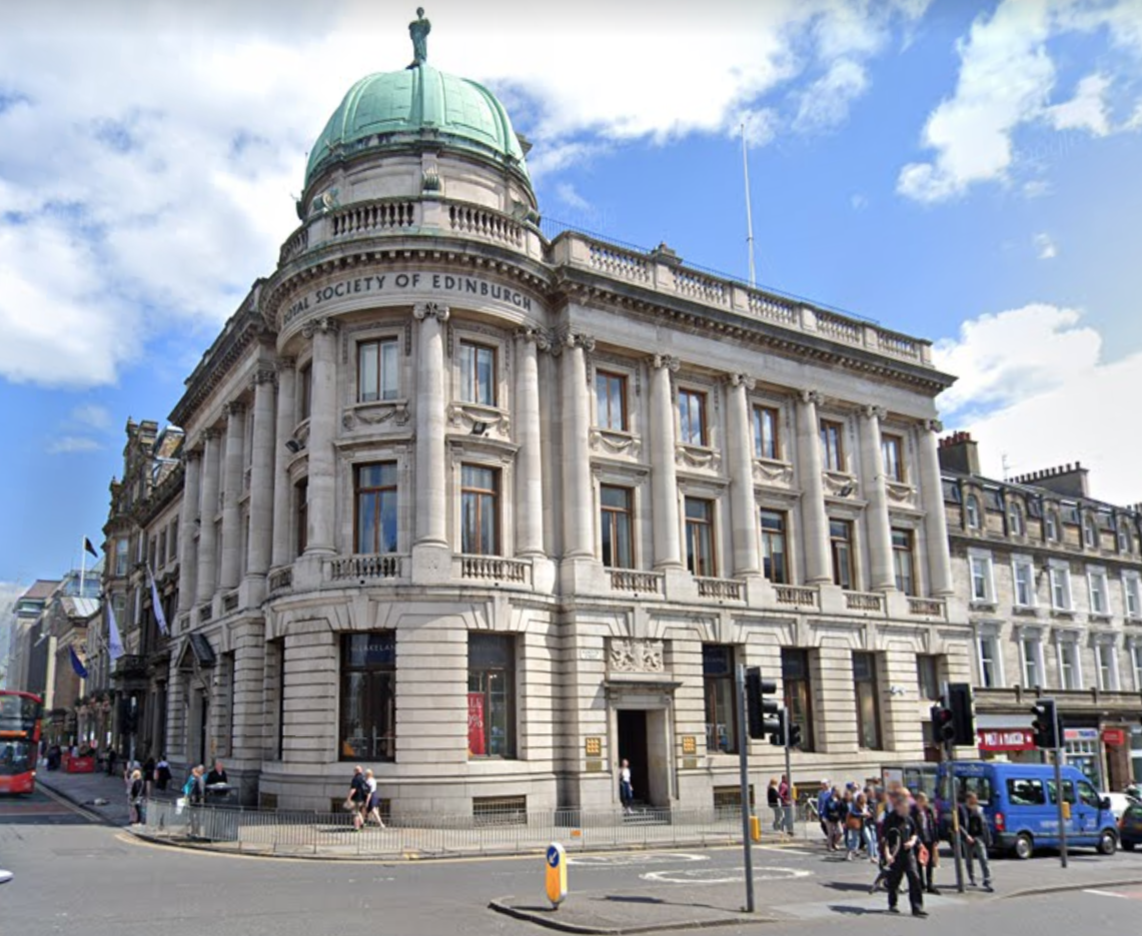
<point>1124,544</point>
<point>973,512</point>
<point>1052,521</point>
<point>1015,521</point>
<point>1090,532</point>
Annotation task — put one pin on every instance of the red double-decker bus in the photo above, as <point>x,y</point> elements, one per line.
<point>20,715</point>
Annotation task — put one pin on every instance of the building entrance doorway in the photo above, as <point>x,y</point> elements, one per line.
<point>633,747</point>
<point>203,725</point>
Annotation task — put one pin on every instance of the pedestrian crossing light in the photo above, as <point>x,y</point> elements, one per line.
<point>760,711</point>
<point>943,723</point>
<point>1045,724</point>
<point>794,738</point>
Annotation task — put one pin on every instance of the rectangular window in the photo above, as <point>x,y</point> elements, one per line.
<point>775,556</point>
<point>479,511</point>
<point>902,561</point>
<point>1023,573</point>
<point>368,696</point>
<point>1032,674</point>
<point>1069,674</point>
<point>1107,667</point>
<point>301,515</point>
<point>611,400</point>
<point>172,541</point>
<point>700,558</point>
<point>1060,588</point>
<point>376,508</point>
<point>377,370</point>
<point>692,417</point>
<point>795,677</point>
<point>1021,792</point>
<point>765,438</point>
<point>1131,588</point>
<point>1098,597</point>
<point>122,555</point>
<point>989,663</point>
<point>867,701</point>
<point>616,526</point>
<point>892,454</point>
<point>841,543</point>
<point>721,710</point>
<point>491,695</point>
<point>304,391</point>
<point>832,446</point>
<point>980,578</point>
<point>1136,659</point>
<point>928,676</point>
<point>477,374</point>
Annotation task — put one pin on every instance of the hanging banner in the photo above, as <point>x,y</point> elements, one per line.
<point>476,745</point>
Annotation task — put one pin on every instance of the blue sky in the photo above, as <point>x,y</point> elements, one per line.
<point>962,171</point>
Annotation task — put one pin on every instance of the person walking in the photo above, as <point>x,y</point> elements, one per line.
<point>785,799</point>
<point>823,797</point>
<point>976,836</point>
<point>928,831</point>
<point>901,843</point>
<point>373,807</point>
<point>835,809</point>
<point>626,790</point>
<point>358,798</point>
<point>136,793</point>
<point>162,773</point>
<point>774,800</point>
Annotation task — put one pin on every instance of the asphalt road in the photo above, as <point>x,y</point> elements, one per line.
<point>75,876</point>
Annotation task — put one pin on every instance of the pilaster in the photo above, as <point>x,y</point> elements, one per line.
<point>818,562</point>
<point>323,419</point>
<point>663,473</point>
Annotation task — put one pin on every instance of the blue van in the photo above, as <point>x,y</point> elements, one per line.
<point>1020,804</point>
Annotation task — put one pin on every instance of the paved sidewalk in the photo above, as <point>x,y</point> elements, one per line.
<point>98,793</point>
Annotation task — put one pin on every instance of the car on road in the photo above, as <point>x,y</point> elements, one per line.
<point>1130,827</point>
<point>1120,802</point>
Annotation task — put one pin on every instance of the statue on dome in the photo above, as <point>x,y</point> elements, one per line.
<point>419,29</point>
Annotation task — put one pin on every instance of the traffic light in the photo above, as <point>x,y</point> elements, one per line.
<point>794,735</point>
<point>943,723</point>
<point>1045,724</point>
<point>758,708</point>
<point>963,714</point>
<point>777,739</point>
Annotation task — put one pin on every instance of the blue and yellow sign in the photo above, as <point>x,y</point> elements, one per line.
<point>556,874</point>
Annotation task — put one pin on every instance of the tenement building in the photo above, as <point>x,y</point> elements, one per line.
<point>489,512</point>
<point>1053,578</point>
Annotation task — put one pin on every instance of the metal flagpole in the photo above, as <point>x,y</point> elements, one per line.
<point>82,566</point>
<point>748,211</point>
<point>743,758</point>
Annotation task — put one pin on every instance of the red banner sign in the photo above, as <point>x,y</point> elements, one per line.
<point>1114,737</point>
<point>1006,739</point>
<point>476,724</point>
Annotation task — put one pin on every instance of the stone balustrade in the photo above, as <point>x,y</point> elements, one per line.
<point>494,569</point>
<point>864,601</point>
<point>281,579</point>
<point>928,607</point>
<point>484,223</point>
<point>799,596</point>
<point>386,566</point>
<point>639,583</point>
<point>719,589</point>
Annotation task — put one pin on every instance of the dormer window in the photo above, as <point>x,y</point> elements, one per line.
<point>973,512</point>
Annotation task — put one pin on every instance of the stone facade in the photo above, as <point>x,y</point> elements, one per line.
<point>1053,580</point>
<point>481,510</point>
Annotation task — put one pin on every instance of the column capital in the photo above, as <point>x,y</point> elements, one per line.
<point>285,364</point>
<point>264,375</point>
<point>211,434</point>
<point>660,361</point>
<point>571,339</point>
<point>324,326</point>
<point>537,336</point>
<point>740,380</point>
<point>932,425</point>
<point>235,408</point>
<point>193,453</point>
<point>811,396</point>
<point>874,412</point>
<point>439,310</point>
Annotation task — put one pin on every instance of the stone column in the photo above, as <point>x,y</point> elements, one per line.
<point>529,461</point>
<point>882,575</point>
<point>323,419</point>
<point>578,529</point>
<point>187,556</point>
<point>743,504</point>
<point>231,572</point>
<point>262,475</point>
<point>935,520</point>
<point>818,562</point>
<point>207,570</point>
<point>283,490</point>
<point>663,473</point>
<point>431,452</point>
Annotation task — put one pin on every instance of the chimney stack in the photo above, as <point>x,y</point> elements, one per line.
<point>959,453</point>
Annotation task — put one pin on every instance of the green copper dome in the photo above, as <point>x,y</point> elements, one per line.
<point>392,109</point>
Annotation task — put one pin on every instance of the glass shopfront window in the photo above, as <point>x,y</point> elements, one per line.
<point>368,696</point>
<point>721,711</point>
<point>491,695</point>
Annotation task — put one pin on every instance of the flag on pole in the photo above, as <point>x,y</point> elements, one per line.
<point>160,618</point>
<point>77,663</point>
<point>114,641</point>
<point>90,547</point>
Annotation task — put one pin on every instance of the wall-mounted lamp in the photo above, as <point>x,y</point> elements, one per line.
<point>479,428</point>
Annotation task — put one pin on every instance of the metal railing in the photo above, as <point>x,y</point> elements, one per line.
<point>283,832</point>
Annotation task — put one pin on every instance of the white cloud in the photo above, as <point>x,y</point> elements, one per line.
<point>1005,82</point>
<point>70,445</point>
<point>859,202</point>
<point>569,195</point>
<point>1033,386</point>
<point>825,103</point>
<point>91,416</point>
<point>1045,248</point>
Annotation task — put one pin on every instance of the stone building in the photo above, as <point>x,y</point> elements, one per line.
<point>488,512</point>
<point>25,618</point>
<point>1053,580</point>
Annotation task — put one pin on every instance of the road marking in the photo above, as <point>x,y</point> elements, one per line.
<point>626,859</point>
<point>1102,893</point>
<point>784,850</point>
<point>727,875</point>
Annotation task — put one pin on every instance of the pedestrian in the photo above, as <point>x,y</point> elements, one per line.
<point>785,798</point>
<point>194,792</point>
<point>773,798</point>
<point>928,831</point>
<point>358,799</point>
<point>835,808</point>
<point>976,836</point>
<point>373,808</point>
<point>626,789</point>
<point>900,844</point>
<point>823,797</point>
<point>135,797</point>
<point>149,772</point>
<point>162,773</point>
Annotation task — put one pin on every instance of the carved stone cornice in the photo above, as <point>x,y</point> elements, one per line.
<point>740,380</point>
<point>672,364</point>
<point>437,310</point>
<point>322,326</point>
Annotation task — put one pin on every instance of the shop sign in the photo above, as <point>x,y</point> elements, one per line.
<point>1080,734</point>
<point>1114,737</point>
<point>1006,739</point>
